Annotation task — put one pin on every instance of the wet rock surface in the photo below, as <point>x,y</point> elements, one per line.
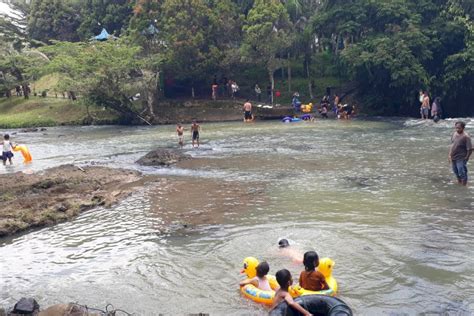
<point>58,194</point>
<point>163,157</point>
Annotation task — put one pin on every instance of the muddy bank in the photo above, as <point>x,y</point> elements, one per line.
<point>185,111</point>
<point>58,194</point>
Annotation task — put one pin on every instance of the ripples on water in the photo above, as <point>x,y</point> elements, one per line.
<point>376,196</point>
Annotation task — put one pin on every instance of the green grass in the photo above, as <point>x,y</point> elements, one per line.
<point>48,83</point>
<point>17,112</point>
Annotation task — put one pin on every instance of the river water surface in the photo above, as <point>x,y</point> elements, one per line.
<point>377,197</point>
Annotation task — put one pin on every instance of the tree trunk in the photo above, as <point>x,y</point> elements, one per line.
<point>289,73</point>
<point>308,76</point>
<point>152,90</point>
<point>152,93</point>
<point>26,91</point>
<point>272,81</point>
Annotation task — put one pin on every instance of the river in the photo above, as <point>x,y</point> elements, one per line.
<point>376,196</point>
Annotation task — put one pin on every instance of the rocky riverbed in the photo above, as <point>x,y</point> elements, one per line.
<point>61,193</point>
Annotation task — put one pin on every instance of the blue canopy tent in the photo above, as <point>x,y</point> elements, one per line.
<point>103,36</point>
<point>151,30</point>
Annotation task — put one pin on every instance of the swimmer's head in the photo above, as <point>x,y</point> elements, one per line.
<point>282,243</point>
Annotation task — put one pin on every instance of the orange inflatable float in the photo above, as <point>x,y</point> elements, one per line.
<point>24,152</point>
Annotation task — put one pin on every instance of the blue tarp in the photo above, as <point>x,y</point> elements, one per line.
<point>103,36</point>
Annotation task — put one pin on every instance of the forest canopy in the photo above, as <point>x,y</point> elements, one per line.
<point>384,50</point>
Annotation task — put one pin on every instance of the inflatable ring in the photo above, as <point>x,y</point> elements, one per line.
<point>289,119</point>
<point>24,152</point>
<point>250,291</point>
<point>316,305</point>
<point>297,291</point>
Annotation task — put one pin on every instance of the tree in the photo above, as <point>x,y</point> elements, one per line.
<point>459,66</point>
<point>106,73</point>
<point>18,69</point>
<point>266,33</point>
<point>190,51</point>
<point>54,19</point>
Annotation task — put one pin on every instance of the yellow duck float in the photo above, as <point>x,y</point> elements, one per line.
<point>24,152</point>
<point>266,297</point>
<point>251,291</point>
<point>306,108</point>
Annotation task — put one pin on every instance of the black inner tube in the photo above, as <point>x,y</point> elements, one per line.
<point>318,305</point>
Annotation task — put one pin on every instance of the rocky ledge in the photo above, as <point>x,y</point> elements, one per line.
<point>58,194</point>
<point>163,157</point>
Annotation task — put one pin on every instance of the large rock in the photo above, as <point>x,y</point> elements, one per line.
<point>162,157</point>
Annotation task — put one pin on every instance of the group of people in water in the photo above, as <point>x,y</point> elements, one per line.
<point>426,108</point>
<point>309,279</point>
<point>195,129</point>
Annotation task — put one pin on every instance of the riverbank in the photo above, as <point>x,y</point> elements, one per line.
<point>59,194</point>
<point>16,112</point>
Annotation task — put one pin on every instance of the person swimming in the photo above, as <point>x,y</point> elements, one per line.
<point>283,243</point>
<point>290,252</point>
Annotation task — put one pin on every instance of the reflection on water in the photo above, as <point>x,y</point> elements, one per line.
<point>376,196</point>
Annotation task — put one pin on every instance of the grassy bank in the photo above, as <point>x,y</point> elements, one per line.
<point>17,112</point>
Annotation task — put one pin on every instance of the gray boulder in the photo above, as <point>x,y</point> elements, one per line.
<point>162,157</point>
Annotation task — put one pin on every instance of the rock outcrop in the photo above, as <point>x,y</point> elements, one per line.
<point>163,157</point>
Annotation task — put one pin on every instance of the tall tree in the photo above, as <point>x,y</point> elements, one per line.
<point>188,29</point>
<point>266,34</point>
<point>106,73</point>
<point>459,66</point>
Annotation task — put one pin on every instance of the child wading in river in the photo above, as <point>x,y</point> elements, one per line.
<point>180,132</point>
<point>7,150</point>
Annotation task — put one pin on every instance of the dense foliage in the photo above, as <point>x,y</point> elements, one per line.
<point>387,49</point>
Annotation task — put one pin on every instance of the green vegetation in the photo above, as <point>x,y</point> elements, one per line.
<point>18,112</point>
<point>380,52</point>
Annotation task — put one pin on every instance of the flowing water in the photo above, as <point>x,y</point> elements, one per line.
<point>378,197</point>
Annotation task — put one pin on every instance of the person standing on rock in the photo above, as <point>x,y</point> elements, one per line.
<point>195,129</point>
<point>460,151</point>
<point>180,132</point>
